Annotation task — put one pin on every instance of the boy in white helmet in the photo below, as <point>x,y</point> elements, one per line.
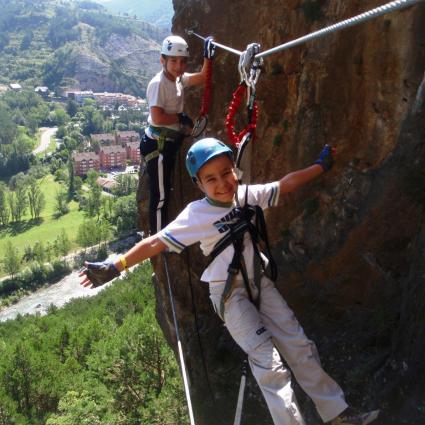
<point>257,317</point>
<point>167,123</point>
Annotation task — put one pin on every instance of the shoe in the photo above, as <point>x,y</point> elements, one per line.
<point>352,417</point>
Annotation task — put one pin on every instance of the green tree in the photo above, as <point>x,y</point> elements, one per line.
<point>61,132</point>
<point>108,203</point>
<point>61,202</point>
<point>93,121</point>
<point>92,232</point>
<point>126,184</point>
<point>8,127</point>
<point>12,260</point>
<point>83,408</point>
<point>92,176</point>
<point>18,203</point>
<point>8,407</point>
<point>71,108</point>
<point>71,181</point>
<point>94,203</point>
<point>36,198</point>
<point>4,208</point>
<point>62,243</point>
<point>39,252</point>
<point>59,117</point>
<point>125,213</point>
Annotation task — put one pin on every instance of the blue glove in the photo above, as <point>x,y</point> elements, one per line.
<point>209,48</point>
<point>102,272</point>
<point>185,120</point>
<point>326,159</point>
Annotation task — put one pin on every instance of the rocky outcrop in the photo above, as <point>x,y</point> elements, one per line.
<point>350,247</point>
<point>122,64</point>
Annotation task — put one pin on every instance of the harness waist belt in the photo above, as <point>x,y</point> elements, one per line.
<point>162,135</point>
<point>167,134</point>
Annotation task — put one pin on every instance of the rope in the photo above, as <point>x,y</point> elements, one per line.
<point>206,98</point>
<point>179,345</point>
<point>195,312</point>
<point>238,413</point>
<point>222,46</point>
<point>366,16</point>
<point>381,10</point>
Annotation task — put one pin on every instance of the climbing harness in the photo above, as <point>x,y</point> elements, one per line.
<point>202,120</point>
<point>162,135</point>
<point>250,220</point>
<point>179,345</point>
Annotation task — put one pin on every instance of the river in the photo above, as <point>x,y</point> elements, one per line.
<point>66,289</point>
<point>57,294</point>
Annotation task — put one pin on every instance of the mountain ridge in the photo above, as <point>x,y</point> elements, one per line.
<point>159,12</point>
<point>76,45</point>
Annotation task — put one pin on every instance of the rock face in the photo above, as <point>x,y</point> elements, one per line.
<point>350,246</point>
<point>123,63</point>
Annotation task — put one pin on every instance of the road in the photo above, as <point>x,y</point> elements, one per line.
<point>46,134</point>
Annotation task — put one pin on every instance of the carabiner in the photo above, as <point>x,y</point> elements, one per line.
<point>246,60</point>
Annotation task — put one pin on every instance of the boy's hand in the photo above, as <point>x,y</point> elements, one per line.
<point>209,48</point>
<point>185,120</point>
<point>99,273</point>
<point>326,159</point>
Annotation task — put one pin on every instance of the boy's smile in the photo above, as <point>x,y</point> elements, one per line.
<point>174,66</point>
<point>218,180</point>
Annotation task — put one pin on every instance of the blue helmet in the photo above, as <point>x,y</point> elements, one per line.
<point>202,151</point>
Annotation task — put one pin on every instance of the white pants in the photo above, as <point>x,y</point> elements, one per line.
<point>265,333</point>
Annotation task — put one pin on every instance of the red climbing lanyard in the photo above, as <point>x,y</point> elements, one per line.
<point>245,90</point>
<point>202,120</point>
<point>238,96</point>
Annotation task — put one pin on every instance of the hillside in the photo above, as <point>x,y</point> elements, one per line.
<point>75,45</point>
<point>158,12</point>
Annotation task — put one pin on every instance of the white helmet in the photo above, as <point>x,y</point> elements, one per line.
<point>174,45</point>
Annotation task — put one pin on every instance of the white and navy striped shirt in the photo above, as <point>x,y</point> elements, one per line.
<point>207,222</point>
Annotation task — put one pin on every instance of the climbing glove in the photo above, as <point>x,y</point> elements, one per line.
<point>326,159</point>
<point>185,120</point>
<point>209,48</point>
<point>101,272</point>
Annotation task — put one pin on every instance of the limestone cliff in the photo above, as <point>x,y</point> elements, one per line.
<point>350,247</point>
<point>122,63</point>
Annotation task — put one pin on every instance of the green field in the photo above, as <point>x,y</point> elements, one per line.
<point>28,232</point>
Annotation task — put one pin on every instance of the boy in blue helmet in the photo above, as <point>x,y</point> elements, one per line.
<point>167,123</point>
<point>225,222</point>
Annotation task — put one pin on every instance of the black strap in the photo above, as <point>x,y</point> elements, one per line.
<point>259,239</point>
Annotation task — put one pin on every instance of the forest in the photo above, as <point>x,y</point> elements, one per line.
<point>101,360</point>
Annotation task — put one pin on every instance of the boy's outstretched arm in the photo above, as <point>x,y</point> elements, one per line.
<point>97,274</point>
<point>198,78</point>
<point>299,178</point>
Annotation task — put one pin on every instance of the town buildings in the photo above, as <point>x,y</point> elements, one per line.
<point>108,100</point>
<point>112,151</point>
